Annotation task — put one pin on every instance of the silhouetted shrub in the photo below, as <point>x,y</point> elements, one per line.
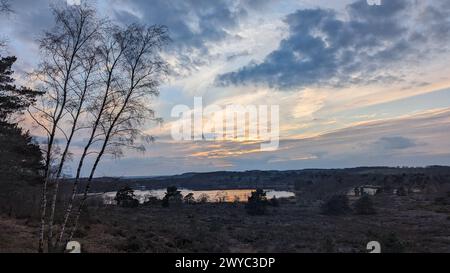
<point>203,198</point>
<point>221,197</point>
<point>336,205</point>
<point>257,203</point>
<point>189,199</point>
<point>125,198</point>
<point>364,206</point>
<point>165,202</point>
<point>173,195</point>
<point>236,200</point>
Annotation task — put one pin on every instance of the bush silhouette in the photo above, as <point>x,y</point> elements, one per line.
<point>189,199</point>
<point>173,195</point>
<point>257,203</point>
<point>203,198</point>
<point>336,205</point>
<point>125,198</point>
<point>364,206</point>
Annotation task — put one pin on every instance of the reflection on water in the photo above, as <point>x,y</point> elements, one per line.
<point>214,196</point>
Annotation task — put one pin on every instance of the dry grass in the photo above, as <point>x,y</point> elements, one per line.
<point>289,228</point>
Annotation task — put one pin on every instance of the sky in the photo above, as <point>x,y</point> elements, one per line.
<point>357,84</point>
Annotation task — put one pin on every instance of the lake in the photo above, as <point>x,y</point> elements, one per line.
<point>214,196</point>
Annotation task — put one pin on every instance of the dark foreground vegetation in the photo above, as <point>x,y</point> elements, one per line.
<point>410,212</point>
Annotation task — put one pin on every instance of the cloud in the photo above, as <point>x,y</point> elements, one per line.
<point>367,45</point>
<point>193,24</point>
<point>395,143</point>
<point>389,142</point>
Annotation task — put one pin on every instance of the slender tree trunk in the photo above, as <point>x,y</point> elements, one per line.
<point>78,213</point>
<point>43,213</point>
<point>76,27</point>
<point>49,151</point>
<point>69,208</point>
<point>97,161</point>
<point>47,174</point>
<point>63,159</point>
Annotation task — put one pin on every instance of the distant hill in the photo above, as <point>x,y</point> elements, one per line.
<point>310,180</point>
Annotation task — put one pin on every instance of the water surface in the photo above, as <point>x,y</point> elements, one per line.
<point>214,196</point>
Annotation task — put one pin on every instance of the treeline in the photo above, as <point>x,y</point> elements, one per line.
<point>20,157</point>
<point>313,180</point>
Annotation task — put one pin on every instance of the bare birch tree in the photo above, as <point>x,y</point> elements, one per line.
<point>110,53</point>
<point>138,70</point>
<point>99,81</point>
<point>76,109</point>
<point>75,28</point>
